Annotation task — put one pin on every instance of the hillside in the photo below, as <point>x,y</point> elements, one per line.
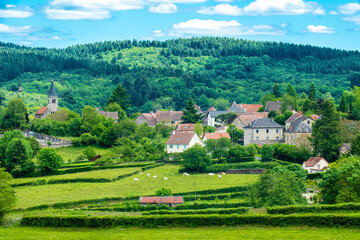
<point>162,75</point>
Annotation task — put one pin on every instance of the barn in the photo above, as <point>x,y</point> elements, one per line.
<point>170,201</point>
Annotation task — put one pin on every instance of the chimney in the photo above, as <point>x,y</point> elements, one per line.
<point>301,113</point>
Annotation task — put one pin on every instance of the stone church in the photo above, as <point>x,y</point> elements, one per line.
<point>52,106</point>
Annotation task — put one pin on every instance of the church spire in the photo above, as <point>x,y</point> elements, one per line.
<point>52,92</point>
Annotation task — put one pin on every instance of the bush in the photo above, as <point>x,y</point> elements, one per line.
<point>250,165</point>
<point>313,208</point>
<point>240,210</point>
<point>80,158</point>
<point>87,139</point>
<point>49,160</point>
<point>266,153</point>
<point>102,162</point>
<point>195,158</point>
<point>7,198</point>
<point>89,152</point>
<point>241,159</point>
<point>163,192</point>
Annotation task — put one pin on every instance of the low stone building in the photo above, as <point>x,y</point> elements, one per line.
<point>107,114</point>
<point>263,131</point>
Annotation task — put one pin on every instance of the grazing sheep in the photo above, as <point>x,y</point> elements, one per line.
<point>185,174</point>
<point>165,178</point>
<point>211,174</point>
<point>140,172</point>
<point>154,176</point>
<point>221,173</point>
<point>148,174</point>
<point>219,176</point>
<point>136,180</point>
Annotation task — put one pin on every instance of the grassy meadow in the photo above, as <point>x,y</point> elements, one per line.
<point>70,153</point>
<point>30,196</point>
<point>243,232</point>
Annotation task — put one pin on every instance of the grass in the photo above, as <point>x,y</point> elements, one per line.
<point>36,195</point>
<point>72,152</point>
<point>106,173</point>
<point>243,232</point>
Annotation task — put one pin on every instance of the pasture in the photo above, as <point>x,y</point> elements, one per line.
<point>242,232</point>
<point>30,196</point>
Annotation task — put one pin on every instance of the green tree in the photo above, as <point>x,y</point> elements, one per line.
<point>291,90</point>
<point>234,133</point>
<point>15,113</point>
<point>163,192</point>
<point>355,145</point>
<point>190,113</point>
<point>119,96</point>
<point>89,152</point>
<point>267,153</point>
<point>195,159</point>
<point>218,147</point>
<point>354,79</point>
<point>276,91</point>
<point>326,132</point>
<point>226,118</point>
<point>312,93</point>
<point>18,157</point>
<point>198,128</point>
<point>209,129</point>
<point>115,107</point>
<point>34,144</point>
<point>49,160</point>
<point>90,117</point>
<point>7,197</point>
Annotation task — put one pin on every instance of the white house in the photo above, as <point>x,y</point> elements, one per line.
<point>181,141</point>
<point>315,165</point>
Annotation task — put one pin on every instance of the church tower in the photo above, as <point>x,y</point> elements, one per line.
<point>53,99</point>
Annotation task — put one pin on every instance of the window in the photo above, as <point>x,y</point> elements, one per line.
<point>184,146</point>
<point>308,122</point>
<point>178,146</point>
<point>277,130</point>
<point>288,138</point>
<point>54,101</point>
<point>318,166</point>
<point>257,130</point>
<point>257,138</point>
<point>267,138</point>
<point>171,146</point>
<point>267,130</point>
<point>277,138</point>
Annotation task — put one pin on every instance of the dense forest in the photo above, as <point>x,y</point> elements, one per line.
<point>163,74</point>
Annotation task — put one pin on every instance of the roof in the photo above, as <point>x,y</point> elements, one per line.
<point>315,117</point>
<point>113,115</point>
<point>52,92</point>
<point>236,108</point>
<point>181,138</point>
<point>313,161</point>
<point>159,200</point>
<point>346,145</point>
<point>168,115</point>
<point>41,111</point>
<point>261,114</point>
<point>263,123</point>
<point>251,108</point>
<point>273,106</point>
<point>247,119</point>
<point>211,109</point>
<point>217,135</point>
<point>214,114</point>
<point>299,126</point>
<point>293,117</point>
<point>185,127</point>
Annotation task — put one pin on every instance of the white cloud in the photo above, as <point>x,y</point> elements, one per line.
<point>62,14</point>
<point>222,9</point>
<point>349,8</point>
<point>282,7</point>
<point>334,13</point>
<point>158,33</point>
<point>164,8</point>
<point>320,29</point>
<point>25,43</point>
<point>35,38</point>
<point>220,28</point>
<point>226,1</point>
<point>11,12</point>
<point>353,19</point>
<point>116,5</point>
<point>177,1</point>
<point>284,25</point>
<point>16,30</point>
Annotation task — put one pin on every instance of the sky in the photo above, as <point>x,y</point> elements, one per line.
<point>62,23</point>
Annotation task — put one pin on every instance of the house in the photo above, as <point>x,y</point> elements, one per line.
<point>165,117</point>
<point>315,165</point>
<point>273,106</point>
<point>345,148</point>
<point>107,114</point>
<point>297,126</point>
<point>216,136</point>
<point>185,127</point>
<point>170,201</point>
<point>180,141</point>
<point>242,120</point>
<point>53,104</point>
<point>263,131</point>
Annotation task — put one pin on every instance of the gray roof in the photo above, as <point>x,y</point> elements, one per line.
<point>52,92</point>
<point>214,114</point>
<point>299,126</point>
<point>273,105</point>
<point>263,123</point>
<point>236,108</point>
<point>346,145</point>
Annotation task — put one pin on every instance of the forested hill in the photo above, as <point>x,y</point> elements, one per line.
<point>163,74</point>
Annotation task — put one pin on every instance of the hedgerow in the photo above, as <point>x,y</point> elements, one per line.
<point>249,165</point>
<point>239,210</point>
<point>154,221</point>
<point>313,208</point>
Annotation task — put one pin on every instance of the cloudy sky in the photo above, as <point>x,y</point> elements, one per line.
<point>60,23</point>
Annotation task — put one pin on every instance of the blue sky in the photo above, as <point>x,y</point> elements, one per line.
<point>61,23</point>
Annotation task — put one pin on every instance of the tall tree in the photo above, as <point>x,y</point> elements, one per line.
<point>312,93</point>
<point>190,113</point>
<point>119,96</point>
<point>326,132</point>
<point>16,113</point>
<point>291,90</point>
<point>354,79</point>
<point>276,91</point>
<point>7,197</point>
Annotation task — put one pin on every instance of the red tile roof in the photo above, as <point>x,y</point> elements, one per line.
<point>251,108</point>
<point>185,127</point>
<point>212,109</point>
<point>168,115</point>
<point>159,200</point>
<point>181,138</point>
<point>293,117</point>
<point>261,114</point>
<point>313,161</point>
<point>246,119</point>
<point>315,117</point>
<point>217,135</point>
<point>41,111</point>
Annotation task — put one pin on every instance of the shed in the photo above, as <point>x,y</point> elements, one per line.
<point>170,201</point>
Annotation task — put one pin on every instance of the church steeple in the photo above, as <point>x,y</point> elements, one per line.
<point>52,92</point>
<point>52,99</point>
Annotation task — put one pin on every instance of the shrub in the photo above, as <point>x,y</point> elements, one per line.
<point>49,160</point>
<point>89,152</point>
<point>87,139</point>
<point>163,192</point>
<point>195,158</point>
<point>103,161</point>
<point>266,153</point>
<point>313,208</point>
<point>250,165</point>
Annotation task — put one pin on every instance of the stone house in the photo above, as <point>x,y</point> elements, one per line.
<point>180,141</point>
<point>107,114</point>
<point>263,131</point>
<point>166,117</point>
<point>273,106</point>
<point>315,165</point>
<point>243,120</point>
<point>297,127</point>
<point>345,148</point>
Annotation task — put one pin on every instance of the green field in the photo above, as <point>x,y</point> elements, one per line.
<point>106,173</point>
<point>243,232</point>
<point>30,196</point>
<point>72,152</point>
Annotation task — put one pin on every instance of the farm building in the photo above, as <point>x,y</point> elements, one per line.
<point>170,201</point>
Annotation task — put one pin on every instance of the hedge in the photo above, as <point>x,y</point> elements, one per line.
<point>154,221</point>
<point>240,210</point>
<point>215,196</point>
<point>211,205</point>
<point>152,166</point>
<point>313,208</point>
<point>249,165</point>
<point>313,176</point>
<point>218,190</point>
<point>241,159</point>
<point>73,180</point>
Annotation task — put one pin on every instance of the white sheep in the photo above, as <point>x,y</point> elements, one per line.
<point>140,172</point>
<point>219,176</point>
<point>185,174</point>
<point>148,174</point>
<point>154,176</point>
<point>211,174</point>
<point>165,178</point>
<point>136,180</point>
<point>221,173</point>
